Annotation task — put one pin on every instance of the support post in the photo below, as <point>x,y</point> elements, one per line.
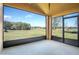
<point>48,27</point>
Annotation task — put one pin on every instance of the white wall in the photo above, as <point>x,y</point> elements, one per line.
<point>1,40</point>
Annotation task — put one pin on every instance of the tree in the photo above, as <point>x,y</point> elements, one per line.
<point>57,22</point>
<point>21,26</point>
<point>7,25</point>
<point>16,26</point>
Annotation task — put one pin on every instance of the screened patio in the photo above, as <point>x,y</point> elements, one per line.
<point>59,35</point>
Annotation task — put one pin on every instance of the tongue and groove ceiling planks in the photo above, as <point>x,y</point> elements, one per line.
<point>50,9</point>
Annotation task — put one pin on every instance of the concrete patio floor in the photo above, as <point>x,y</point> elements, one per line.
<point>43,47</point>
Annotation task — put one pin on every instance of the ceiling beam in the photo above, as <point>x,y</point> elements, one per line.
<point>44,7</point>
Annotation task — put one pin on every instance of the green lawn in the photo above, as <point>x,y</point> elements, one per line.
<point>58,33</point>
<point>18,34</point>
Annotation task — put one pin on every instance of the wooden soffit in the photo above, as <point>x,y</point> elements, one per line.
<point>51,9</point>
<point>25,6</point>
<point>58,9</point>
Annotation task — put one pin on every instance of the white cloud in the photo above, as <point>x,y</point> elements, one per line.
<point>6,17</point>
<point>29,16</point>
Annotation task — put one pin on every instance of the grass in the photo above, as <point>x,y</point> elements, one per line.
<point>18,34</point>
<point>58,33</point>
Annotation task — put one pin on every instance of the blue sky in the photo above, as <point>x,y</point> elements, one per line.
<point>16,15</point>
<point>68,22</point>
<point>71,22</point>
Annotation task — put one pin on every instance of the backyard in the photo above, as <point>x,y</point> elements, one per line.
<point>19,34</point>
<point>68,34</point>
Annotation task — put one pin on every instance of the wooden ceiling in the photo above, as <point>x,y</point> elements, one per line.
<point>52,9</point>
<point>63,8</point>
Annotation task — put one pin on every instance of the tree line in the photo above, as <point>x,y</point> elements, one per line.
<point>16,26</point>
